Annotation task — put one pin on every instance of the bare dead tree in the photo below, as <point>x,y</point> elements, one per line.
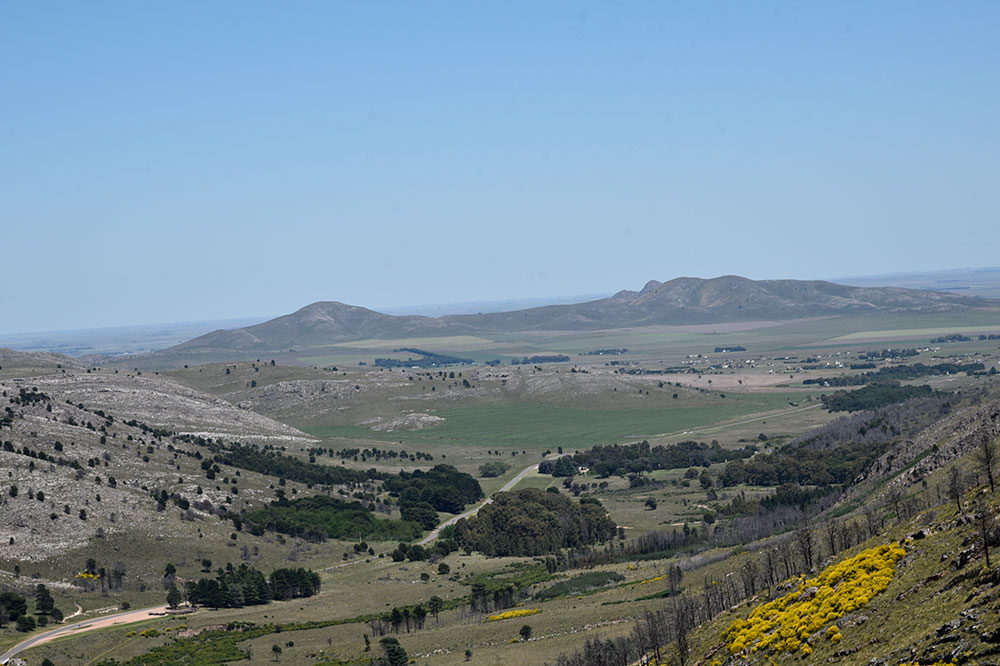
<point>749,574</point>
<point>683,610</point>
<point>986,455</point>
<point>894,497</point>
<point>771,566</point>
<point>985,519</point>
<point>956,486</point>
<point>830,532</point>
<point>785,550</point>
<point>871,518</point>
<point>804,540</point>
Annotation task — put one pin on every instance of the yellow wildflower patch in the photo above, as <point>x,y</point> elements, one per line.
<point>785,624</point>
<point>521,612</point>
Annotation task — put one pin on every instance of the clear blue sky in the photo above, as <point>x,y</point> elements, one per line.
<point>178,161</point>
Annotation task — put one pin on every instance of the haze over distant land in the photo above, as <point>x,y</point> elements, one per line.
<point>982,282</point>
<point>676,303</point>
<point>969,282</point>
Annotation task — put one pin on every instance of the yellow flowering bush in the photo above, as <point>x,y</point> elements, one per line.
<point>785,624</point>
<point>521,612</point>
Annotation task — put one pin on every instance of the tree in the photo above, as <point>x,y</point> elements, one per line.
<point>683,611</point>
<point>25,623</point>
<point>276,651</point>
<point>985,518</point>
<point>986,455</point>
<point>651,503</point>
<point>14,604</point>
<point>435,604</point>
<point>468,655</point>
<point>44,603</point>
<point>895,496</point>
<point>525,632</point>
<point>394,653</point>
<point>955,486</point>
<point>443,569</point>
<point>804,539</point>
<point>173,596</point>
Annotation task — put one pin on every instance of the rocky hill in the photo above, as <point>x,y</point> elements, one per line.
<point>82,447</point>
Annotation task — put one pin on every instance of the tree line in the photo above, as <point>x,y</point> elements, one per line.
<point>236,587</point>
<point>622,459</point>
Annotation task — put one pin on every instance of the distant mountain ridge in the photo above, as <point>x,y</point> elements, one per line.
<point>680,301</point>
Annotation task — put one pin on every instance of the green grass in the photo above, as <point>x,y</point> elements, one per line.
<point>545,426</point>
<point>579,584</point>
<point>917,332</point>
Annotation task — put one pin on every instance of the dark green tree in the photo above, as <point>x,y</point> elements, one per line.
<point>394,653</point>
<point>44,603</point>
<point>173,596</point>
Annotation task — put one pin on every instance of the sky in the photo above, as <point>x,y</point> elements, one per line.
<point>185,161</point>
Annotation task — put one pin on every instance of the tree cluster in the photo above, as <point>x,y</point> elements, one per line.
<point>896,373</point>
<point>530,522</point>
<point>873,396</point>
<point>427,360</point>
<point>235,587</point>
<point>622,459</point>
<point>320,517</point>
<point>422,494</point>
<point>542,358</point>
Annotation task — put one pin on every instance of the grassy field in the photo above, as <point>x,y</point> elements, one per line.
<point>537,426</point>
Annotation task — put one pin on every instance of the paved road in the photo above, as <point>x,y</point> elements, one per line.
<point>473,511</point>
<point>124,617</point>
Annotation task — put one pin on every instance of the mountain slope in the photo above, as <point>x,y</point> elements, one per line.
<point>316,324</point>
<point>677,302</point>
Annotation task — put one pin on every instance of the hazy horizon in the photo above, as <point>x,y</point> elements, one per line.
<point>467,307</point>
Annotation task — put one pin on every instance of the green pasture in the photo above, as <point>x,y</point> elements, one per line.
<point>539,426</point>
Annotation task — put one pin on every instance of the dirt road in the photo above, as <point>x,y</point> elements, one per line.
<point>473,511</point>
<point>125,617</point>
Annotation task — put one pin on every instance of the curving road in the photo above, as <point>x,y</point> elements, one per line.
<point>473,511</point>
<point>125,617</point>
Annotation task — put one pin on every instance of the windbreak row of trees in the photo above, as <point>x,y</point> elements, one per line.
<point>427,360</point>
<point>897,373</point>
<point>320,517</point>
<point>274,463</point>
<point>873,396</point>
<point>621,459</point>
<point>235,587</point>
